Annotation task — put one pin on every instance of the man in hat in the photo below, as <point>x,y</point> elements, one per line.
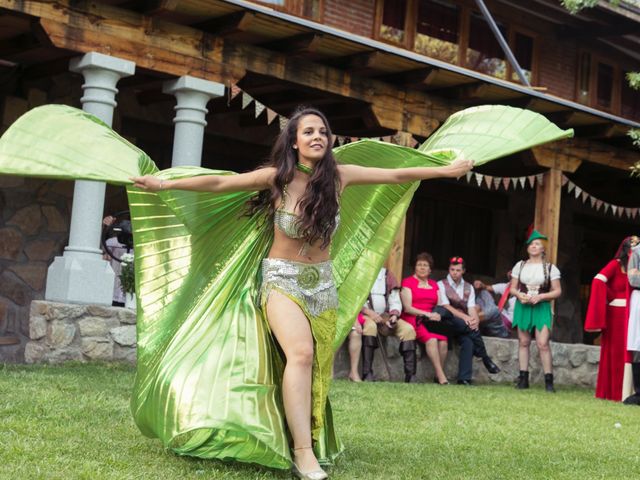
<point>458,312</point>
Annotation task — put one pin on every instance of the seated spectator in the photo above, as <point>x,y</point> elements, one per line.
<point>419,297</point>
<point>495,320</point>
<point>459,313</point>
<point>355,347</point>
<point>380,317</point>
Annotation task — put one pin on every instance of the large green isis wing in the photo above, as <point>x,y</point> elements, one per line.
<point>488,132</point>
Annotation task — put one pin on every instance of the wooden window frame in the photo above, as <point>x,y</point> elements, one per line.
<point>410,29</point>
<point>616,91</point>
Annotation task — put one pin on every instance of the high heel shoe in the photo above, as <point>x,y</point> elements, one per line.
<point>315,475</point>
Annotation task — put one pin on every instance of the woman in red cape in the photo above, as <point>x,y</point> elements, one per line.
<point>607,313</point>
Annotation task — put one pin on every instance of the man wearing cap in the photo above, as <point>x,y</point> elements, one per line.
<point>458,311</point>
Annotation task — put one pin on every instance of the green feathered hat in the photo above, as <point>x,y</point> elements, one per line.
<point>536,235</point>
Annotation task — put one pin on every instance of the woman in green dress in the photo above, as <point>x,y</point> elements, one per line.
<point>300,189</point>
<point>535,283</point>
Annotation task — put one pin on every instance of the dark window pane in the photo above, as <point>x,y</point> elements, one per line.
<point>393,19</point>
<point>584,77</point>
<point>437,30</point>
<point>484,53</point>
<point>523,50</point>
<point>630,99</point>
<point>605,85</point>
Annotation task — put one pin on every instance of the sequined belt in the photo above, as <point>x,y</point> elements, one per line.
<point>310,283</point>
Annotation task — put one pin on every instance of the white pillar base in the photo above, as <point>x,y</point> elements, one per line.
<point>75,278</point>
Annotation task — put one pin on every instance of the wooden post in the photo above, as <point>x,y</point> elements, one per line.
<point>396,254</point>
<point>547,214</point>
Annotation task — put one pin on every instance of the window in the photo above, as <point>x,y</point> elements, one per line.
<point>604,85</point>
<point>484,53</point>
<point>630,100</point>
<point>584,78</point>
<point>455,34</point>
<point>394,16</point>
<point>523,50</point>
<point>437,30</point>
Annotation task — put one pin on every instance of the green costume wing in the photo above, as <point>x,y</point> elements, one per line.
<point>207,374</point>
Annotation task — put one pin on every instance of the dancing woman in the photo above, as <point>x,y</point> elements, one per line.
<point>300,190</point>
<point>216,281</point>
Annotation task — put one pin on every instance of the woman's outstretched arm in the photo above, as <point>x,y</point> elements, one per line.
<point>260,179</point>
<point>357,175</point>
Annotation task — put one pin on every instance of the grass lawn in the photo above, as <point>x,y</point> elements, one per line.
<point>73,422</point>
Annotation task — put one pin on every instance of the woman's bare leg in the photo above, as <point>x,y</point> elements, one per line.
<point>524,340</point>
<point>542,341</point>
<point>434,355</point>
<point>443,350</point>
<point>355,346</point>
<point>293,333</point>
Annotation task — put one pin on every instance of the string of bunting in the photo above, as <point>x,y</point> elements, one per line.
<point>596,203</point>
<point>483,181</point>
<point>270,116</point>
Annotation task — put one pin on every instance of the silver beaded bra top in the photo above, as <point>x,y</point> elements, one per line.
<point>288,222</point>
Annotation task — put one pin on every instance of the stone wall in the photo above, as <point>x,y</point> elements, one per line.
<point>573,364</point>
<point>61,331</point>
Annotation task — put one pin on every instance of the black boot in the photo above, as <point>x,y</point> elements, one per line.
<point>548,383</point>
<point>489,365</point>
<point>635,398</point>
<point>408,352</point>
<point>369,345</point>
<point>523,380</point>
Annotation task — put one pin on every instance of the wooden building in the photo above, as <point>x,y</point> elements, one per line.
<point>376,68</point>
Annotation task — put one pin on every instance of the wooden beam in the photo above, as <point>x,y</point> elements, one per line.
<point>555,158</point>
<point>417,78</point>
<point>568,152</point>
<point>606,130</point>
<point>547,210</point>
<point>177,50</point>
<point>367,63</point>
<point>296,45</point>
<point>226,25</point>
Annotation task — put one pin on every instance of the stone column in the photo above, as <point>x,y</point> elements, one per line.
<point>81,275</point>
<point>192,95</point>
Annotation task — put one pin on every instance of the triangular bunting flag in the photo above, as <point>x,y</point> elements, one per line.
<point>259,108</point>
<point>564,180</point>
<point>570,186</point>
<point>599,204</point>
<point>505,183</point>
<point>235,91</point>
<point>488,180</point>
<point>271,116</point>
<point>340,140</point>
<point>522,181</point>
<point>627,212</point>
<point>514,182</point>
<point>620,211</point>
<point>585,195</point>
<point>246,100</point>
<point>532,180</point>
<point>282,121</point>
<point>496,182</point>
<point>577,191</point>
<point>469,175</point>
<point>479,178</point>
<point>635,212</point>
<point>592,199</point>
<point>614,209</point>
<point>540,178</point>
<point>606,206</point>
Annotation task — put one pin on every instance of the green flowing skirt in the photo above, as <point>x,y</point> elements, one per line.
<point>532,317</point>
<point>208,372</point>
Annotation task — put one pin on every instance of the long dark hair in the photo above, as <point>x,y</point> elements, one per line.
<point>622,255</point>
<point>319,203</point>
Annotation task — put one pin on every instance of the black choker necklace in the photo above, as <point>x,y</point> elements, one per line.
<point>304,169</point>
